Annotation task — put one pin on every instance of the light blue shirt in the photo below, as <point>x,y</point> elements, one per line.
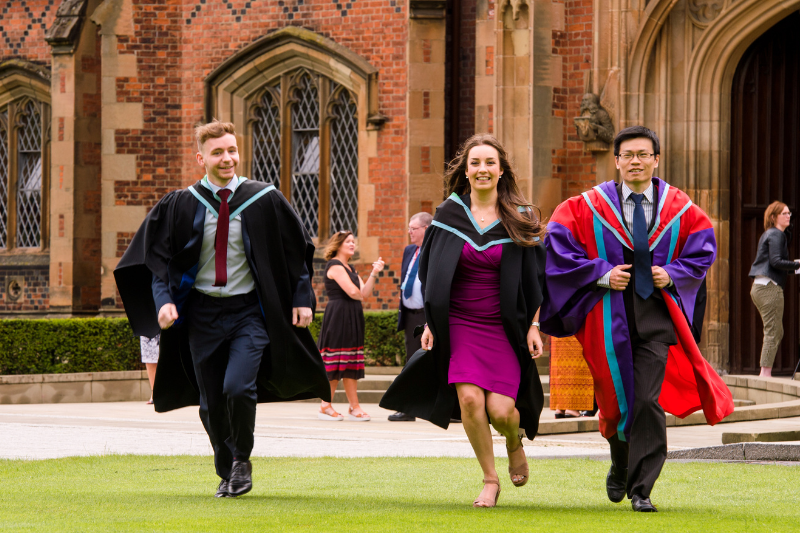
<point>240,279</point>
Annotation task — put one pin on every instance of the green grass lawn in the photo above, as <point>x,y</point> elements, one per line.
<point>145,493</point>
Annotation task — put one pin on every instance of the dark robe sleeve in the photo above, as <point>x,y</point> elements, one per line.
<point>147,256</point>
<point>303,292</point>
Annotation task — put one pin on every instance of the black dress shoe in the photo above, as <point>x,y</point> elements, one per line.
<point>222,490</point>
<point>616,480</point>
<point>642,505</point>
<point>401,417</point>
<point>241,480</point>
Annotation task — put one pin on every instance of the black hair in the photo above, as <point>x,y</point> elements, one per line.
<point>637,132</point>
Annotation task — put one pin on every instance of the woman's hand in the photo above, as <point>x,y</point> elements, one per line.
<point>535,344</point>
<point>427,339</point>
<point>377,266</point>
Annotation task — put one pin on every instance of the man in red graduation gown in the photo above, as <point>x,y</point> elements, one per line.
<point>222,270</point>
<point>626,267</point>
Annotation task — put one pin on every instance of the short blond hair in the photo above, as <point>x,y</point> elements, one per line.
<point>213,130</point>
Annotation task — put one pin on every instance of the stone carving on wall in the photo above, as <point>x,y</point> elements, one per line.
<point>63,34</point>
<point>594,124</point>
<point>516,5</point>
<point>703,12</point>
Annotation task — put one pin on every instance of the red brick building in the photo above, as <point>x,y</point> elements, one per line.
<point>353,108</point>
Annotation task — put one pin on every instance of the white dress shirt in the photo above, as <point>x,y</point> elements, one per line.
<point>416,301</point>
<point>240,279</point>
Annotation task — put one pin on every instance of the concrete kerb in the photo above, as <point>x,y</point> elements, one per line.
<point>746,451</point>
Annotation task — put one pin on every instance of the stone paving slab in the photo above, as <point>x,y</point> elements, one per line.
<point>40,431</point>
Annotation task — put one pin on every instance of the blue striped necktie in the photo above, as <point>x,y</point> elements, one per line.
<point>412,276</point>
<point>642,267</point>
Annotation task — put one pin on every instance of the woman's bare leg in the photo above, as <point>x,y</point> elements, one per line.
<point>351,390</point>
<point>151,376</point>
<point>334,383</point>
<point>472,400</point>
<point>505,419</point>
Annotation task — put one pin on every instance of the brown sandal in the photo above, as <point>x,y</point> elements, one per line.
<point>521,468</point>
<point>482,502</point>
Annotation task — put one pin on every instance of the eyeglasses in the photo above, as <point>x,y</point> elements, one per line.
<point>788,214</point>
<point>644,157</point>
<point>412,228</point>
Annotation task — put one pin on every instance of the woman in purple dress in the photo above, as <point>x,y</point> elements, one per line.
<point>482,267</point>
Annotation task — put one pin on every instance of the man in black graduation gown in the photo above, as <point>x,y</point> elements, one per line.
<point>222,270</point>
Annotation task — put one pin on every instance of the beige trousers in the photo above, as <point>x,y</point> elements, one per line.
<point>769,302</point>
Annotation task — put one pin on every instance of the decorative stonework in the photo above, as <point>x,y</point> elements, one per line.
<point>703,12</point>
<point>594,124</point>
<point>63,34</point>
<point>515,6</point>
<point>427,9</point>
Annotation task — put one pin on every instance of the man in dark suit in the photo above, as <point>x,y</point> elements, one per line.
<point>224,261</point>
<point>636,465</point>
<point>626,267</point>
<point>412,299</point>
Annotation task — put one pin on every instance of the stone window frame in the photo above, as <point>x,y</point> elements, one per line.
<point>234,88</point>
<point>21,83</point>
<point>283,94</point>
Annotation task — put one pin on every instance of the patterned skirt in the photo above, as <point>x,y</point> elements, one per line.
<point>571,384</point>
<point>341,339</point>
<point>149,349</point>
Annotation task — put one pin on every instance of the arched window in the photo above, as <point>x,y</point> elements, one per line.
<point>304,132</point>
<point>23,136</point>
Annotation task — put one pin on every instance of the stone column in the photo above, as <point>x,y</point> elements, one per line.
<point>75,218</point>
<point>115,18</point>
<point>426,72</point>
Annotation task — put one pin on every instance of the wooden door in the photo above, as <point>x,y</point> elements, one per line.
<point>765,166</point>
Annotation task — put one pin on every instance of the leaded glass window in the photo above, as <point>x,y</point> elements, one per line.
<point>344,164</point>
<point>3,177</point>
<point>23,172</point>
<point>304,130</point>
<point>29,179</point>
<point>267,138</point>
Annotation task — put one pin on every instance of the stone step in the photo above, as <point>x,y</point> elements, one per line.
<point>367,394</point>
<point>742,403</point>
<point>371,383</point>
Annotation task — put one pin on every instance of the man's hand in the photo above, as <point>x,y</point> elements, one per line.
<point>167,315</point>
<point>302,316</point>
<point>427,339</point>
<point>660,277</point>
<point>619,279</point>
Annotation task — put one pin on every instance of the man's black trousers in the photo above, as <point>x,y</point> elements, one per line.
<point>227,338</point>
<point>646,452</point>
<point>413,318</point>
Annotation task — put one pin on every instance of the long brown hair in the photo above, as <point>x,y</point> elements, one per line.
<point>523,227</point>
<point>335,243</point>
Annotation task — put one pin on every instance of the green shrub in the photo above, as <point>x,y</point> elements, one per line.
<point>58,346</point>
<point>383,344</point>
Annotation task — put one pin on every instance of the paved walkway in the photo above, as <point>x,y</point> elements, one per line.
<point>286,429</point>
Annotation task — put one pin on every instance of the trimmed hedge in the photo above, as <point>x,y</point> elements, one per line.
<point>383,344</point>
<point>58,346</point>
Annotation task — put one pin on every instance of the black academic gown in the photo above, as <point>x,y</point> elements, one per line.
<point>421,389</point>
<point>277,246</point>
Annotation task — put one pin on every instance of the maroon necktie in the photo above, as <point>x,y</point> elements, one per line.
<point>221,242</point>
